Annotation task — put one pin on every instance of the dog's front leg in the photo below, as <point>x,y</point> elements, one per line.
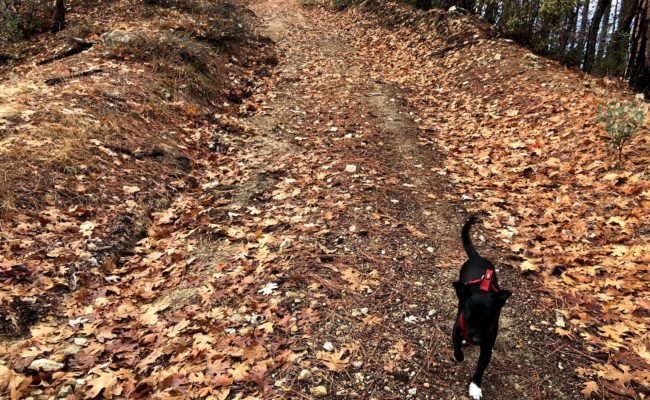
<point>457,339</point>
<point>475,391</point>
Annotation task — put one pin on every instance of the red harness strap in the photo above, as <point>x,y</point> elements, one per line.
<point>485,281</point>
<point>463,328</point>
<point>486,286</point>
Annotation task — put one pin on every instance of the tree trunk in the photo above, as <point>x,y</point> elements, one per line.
<point>567,31</point>
<point>59,16</point>
<point>423,4</point>
<point>491,12</point>
<point>602,40</point>
<point>638,71</point>
<point>621,38</point>
<point>583,27</point>
<point>590,51</point>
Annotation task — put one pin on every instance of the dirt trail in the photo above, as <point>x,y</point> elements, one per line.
<point>399,228</point>
<point>312,257</point>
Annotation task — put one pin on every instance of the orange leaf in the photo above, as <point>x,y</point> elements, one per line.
<point>590,388</point>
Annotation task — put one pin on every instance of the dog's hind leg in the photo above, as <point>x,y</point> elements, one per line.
<point>475,391</point>
<point>457,339</point>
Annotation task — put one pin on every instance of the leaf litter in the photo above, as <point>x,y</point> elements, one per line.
<point>239,276</point>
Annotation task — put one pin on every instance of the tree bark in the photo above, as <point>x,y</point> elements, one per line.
<point>567,31</point>
<point>638,71</point>
<point>621,39</point>
<point>59,16</point>
<point>423,4</point>
<point>583,27</point>
<point>590,51</point>
<point>602,40</point>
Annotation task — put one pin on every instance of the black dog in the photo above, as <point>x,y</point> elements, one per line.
<point>479,305</point>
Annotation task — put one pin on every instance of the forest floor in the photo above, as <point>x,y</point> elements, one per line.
<point>309,250</point>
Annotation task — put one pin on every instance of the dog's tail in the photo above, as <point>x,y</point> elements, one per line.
<point>467,241</point>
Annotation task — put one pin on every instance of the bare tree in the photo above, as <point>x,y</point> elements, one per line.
<point>59,16</point>
<point>638,70</point>
<point>590,51</point>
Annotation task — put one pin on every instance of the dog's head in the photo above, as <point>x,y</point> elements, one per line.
<point>480,310</point>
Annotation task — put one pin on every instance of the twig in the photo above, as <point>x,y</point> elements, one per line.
<point>54,81</point>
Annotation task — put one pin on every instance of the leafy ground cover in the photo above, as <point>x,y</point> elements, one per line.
<point>273,211</point>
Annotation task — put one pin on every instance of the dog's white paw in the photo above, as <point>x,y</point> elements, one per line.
<point>475,392</point>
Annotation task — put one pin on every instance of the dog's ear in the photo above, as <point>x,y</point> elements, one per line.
<point>461,290</point>
<point>503,295</point>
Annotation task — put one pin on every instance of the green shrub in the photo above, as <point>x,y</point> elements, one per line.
<point>24,18</point>
<point>190,65</point>
<point>216,21</point>
<point>341,4</point>
<point>9,24</point>
<point>622,120</point>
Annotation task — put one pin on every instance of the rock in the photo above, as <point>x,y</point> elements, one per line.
<point>351,168</point>
<point>318,391</point>
<point>114,96</point>
<point>328,346</point>
<point>43,364</point>
<point>413,391</point>
<point>65,391</point>
<point>116,37</point>
<point>304,375</point>
<point>71,349</point>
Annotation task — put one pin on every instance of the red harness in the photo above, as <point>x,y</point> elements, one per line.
<point>486,286</point>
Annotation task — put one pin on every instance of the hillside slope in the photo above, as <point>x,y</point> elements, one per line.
<point>523,145</point>
<point>275,212</point>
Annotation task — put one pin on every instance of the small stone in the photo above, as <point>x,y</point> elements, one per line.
<point>357,364</point>
<point>304,375</point>
<point>65,391</point>
<point>43,364</point>
<point>413,391</point>
<point>328,346</point>
<point>71,349</point>
<point>351,168</point>
<point>279,383</point>
<point>497,57</point>
<point>318,391</point>
<point>430,249</point>
<point>116,37</point>
<point>364,310</point>
<point>426,385</point>
<point>80,341</point>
